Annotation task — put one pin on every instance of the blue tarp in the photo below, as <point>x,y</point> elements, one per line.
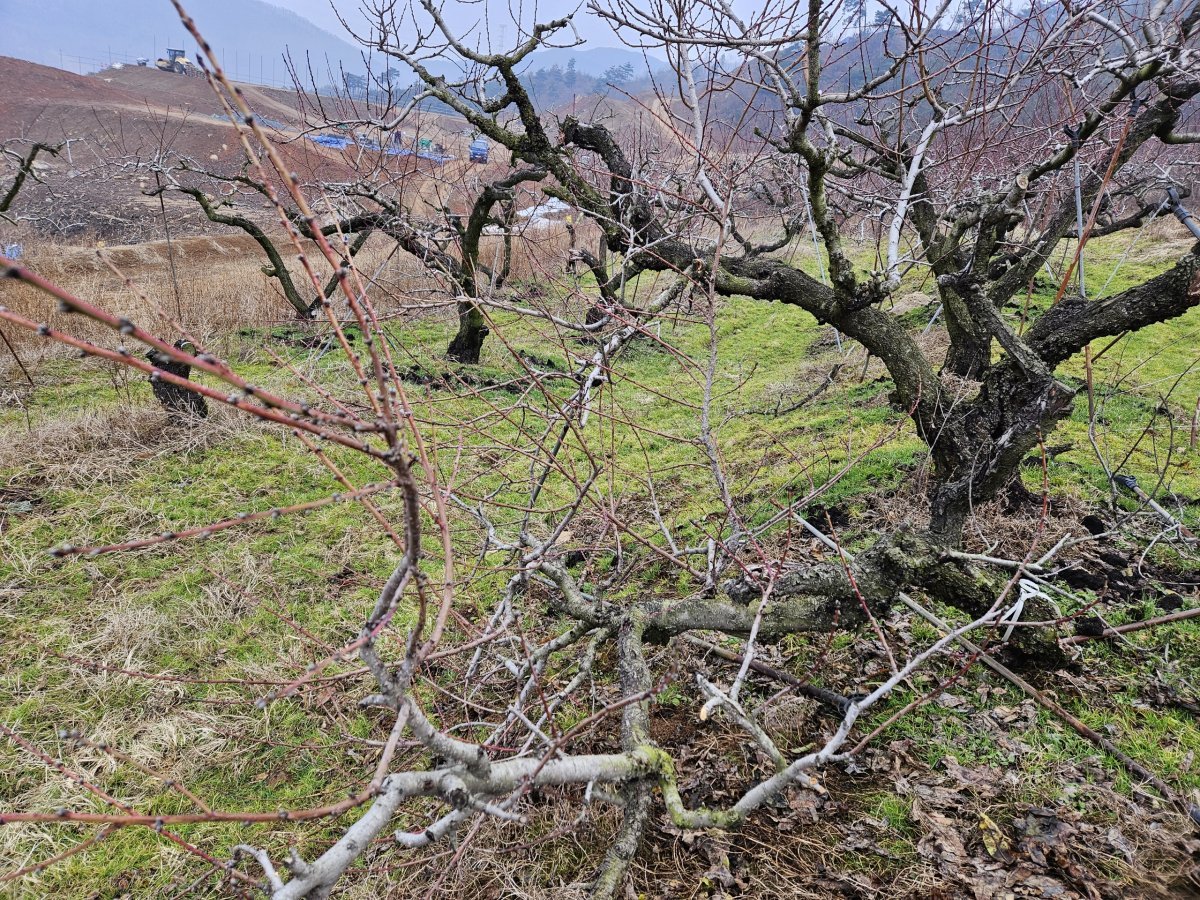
<point>340,142</point>
<point>336,141</point>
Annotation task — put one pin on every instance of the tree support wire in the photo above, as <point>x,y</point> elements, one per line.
<point>1074,134</point>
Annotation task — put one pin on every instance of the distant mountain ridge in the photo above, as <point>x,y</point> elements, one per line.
<point>250,37</point>
<point>594,60</point>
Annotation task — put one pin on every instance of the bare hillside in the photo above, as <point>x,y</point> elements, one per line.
<point>120,117</point>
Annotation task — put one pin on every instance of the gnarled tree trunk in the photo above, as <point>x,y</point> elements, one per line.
<point>467,345</point>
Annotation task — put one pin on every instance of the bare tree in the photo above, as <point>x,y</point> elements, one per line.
<point>983,245</point>
<point>371,191</point>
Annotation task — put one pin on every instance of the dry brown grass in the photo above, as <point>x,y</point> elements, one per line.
<point>98,446</point>
<point>216,285</point>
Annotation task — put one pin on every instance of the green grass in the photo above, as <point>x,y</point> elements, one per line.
<point>171,609</point>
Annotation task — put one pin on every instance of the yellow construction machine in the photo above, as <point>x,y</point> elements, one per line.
<point>178,63</point>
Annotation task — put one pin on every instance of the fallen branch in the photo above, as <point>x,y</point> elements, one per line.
<point>1135,626</point>
<point>820,694</point>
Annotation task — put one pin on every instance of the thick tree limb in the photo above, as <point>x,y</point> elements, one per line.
<point>24,170</point>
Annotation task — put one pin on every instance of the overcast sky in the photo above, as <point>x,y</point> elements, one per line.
<point>497,18</point>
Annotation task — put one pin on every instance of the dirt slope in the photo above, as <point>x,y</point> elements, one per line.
<point>119,118</point>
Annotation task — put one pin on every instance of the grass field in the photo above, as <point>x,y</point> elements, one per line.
<point>161,653</point>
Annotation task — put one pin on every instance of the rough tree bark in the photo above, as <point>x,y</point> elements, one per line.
<point>467,344</point>
<point>25,168</point>
<point>182,405</point>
